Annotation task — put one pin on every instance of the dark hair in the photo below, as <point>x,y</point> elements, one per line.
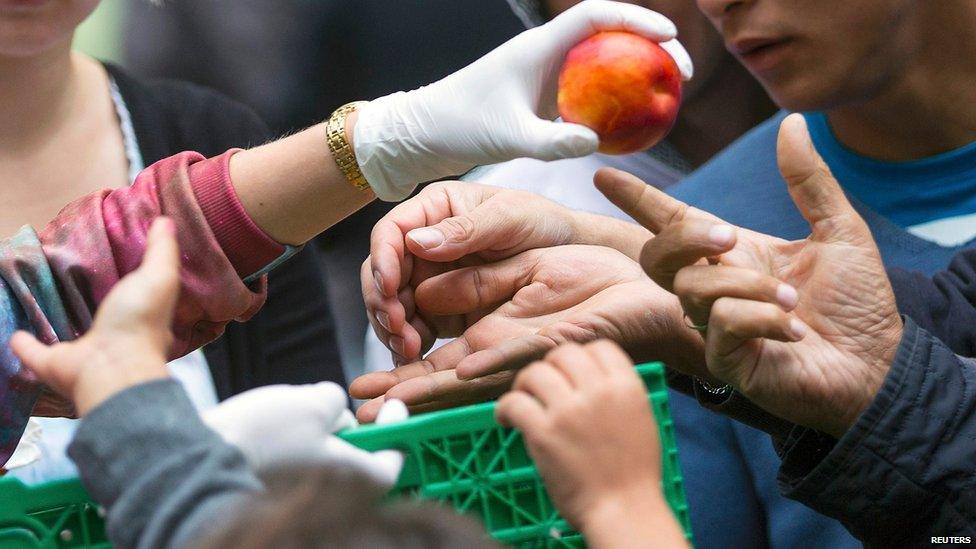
<point>313,506</point>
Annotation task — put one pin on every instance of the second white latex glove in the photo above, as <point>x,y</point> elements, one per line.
<point>499,108</point>
<point>282,424</point>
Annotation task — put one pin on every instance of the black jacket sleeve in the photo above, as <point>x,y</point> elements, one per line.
<point>943,305</point>
<point>165,478</point>
<point>906,470</point>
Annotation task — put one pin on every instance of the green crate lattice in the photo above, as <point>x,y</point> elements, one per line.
<point>460,457</point>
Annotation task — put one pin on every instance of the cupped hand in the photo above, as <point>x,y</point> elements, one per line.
<point>526,305</point>
<point>806,329</point>
<point>446,226</point>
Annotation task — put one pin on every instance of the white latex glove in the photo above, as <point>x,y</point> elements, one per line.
<point>282,424</point>
<point>499,108</point>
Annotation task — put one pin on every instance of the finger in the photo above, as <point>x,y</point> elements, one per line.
<point>519,410</point>
<point>160,267</point>
<point>35,355</point>
<point>681,58</point>
<point>609,357</point>
<point>814,189</point>
<point>445,389</point>
<point>470,289</point>
<point>650,207</point>
<point>735,321</point>
<point>548,140</point>
<point>506,355</point>
<point>699,286</point>
<point>578,366</point>
<point>387,251</point>
<point>588,18</point>
<point>378,383</point>
<point>545,382</point>
<point>683,244</point>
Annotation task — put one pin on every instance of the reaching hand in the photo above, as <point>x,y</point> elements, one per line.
<point>588,426</point>
<point>806,329</point>
<point>129,339</point>
<point>498,108</point>
<point>517,309</point>
<point>446,226</point>
<point>282,424</point>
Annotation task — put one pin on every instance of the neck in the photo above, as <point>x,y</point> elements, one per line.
<point>35,96</point>
<point>931,107</point>
<point>729,104</point>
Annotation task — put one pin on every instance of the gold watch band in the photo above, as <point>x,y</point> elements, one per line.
<point>341,150</point>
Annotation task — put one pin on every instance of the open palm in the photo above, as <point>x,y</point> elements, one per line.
<point>525,306</point>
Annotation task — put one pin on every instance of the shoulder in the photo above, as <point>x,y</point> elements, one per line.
<point>742,185</point>
<point>170,116</point>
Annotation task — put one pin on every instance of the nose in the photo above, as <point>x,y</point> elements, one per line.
<point>716,9</point>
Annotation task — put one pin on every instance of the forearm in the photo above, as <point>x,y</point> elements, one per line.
<point>293,189</point>
<point>644,521</point>
<point>599,230</point>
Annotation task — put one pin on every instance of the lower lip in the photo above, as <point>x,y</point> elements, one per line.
<point>766,58</point>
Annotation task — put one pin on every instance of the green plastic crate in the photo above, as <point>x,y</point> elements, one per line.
<point>460,457</point>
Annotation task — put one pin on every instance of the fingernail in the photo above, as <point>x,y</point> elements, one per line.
<point>383,319</point>
<point>427,238</point>
<point>797,329</point>
<point>396,344</point>
<point>378,282</point>
<point>721,235</point>
<point>787,296</point>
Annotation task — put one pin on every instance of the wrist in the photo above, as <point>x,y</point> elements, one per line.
<point>639,516</point>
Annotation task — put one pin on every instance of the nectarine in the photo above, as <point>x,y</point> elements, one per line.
<point>624,87</point>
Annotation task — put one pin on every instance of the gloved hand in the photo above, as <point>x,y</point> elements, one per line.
<point>498,108</point>
<point>281,424</point>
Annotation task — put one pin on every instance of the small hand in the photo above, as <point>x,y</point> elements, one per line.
<point>282,424</point>
<point>129,338</point>
<point>588,426</point>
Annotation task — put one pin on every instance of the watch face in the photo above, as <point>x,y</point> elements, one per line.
<point>528,11</point>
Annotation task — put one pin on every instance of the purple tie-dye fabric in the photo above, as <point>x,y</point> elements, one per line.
<point>51,282</point>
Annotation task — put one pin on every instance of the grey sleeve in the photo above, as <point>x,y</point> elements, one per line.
<point>905,470</point>
<point>162,474</point>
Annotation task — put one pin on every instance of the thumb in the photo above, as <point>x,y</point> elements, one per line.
<point>35,355</point>
<point>548,140</point>
<point>160,267</point>
<point>814,190</point>
<point>484,228</point>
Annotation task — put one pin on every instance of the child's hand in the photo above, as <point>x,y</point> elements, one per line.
<point>129,338</point>
<point>588,425</point>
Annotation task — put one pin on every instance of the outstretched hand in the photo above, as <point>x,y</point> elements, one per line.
<point>525,306</point>
<point>129,339</point>
<point>806,329</point>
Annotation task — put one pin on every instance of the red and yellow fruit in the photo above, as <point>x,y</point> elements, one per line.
<point>624,87</point>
